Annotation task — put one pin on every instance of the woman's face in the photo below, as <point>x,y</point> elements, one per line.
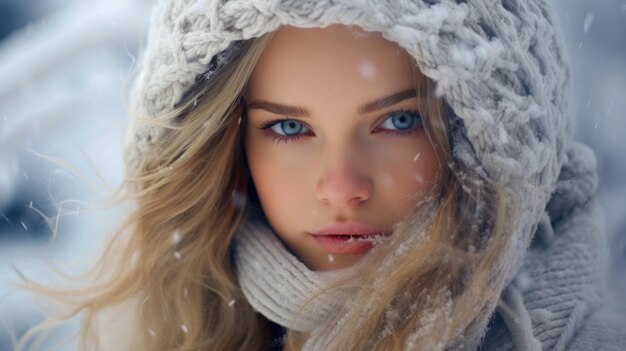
<point>335,145</point>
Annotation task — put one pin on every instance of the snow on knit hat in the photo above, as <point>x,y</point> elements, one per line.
<point>497,63</point>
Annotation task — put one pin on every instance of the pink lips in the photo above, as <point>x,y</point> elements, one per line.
<point>348,238</point>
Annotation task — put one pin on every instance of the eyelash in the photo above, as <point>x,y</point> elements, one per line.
<point>399,133</point>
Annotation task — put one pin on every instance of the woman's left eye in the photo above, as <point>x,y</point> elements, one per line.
<point>402,121</point>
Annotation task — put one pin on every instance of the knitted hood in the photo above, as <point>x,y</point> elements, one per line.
<point>497,63</point>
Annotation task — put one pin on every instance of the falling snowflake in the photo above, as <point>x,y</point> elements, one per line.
<point>176,238</point>
<point>588,22</point>
<point>367,70</point>
<point>419,178</point>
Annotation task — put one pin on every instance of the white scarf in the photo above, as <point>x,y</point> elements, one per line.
<point>276,283</point>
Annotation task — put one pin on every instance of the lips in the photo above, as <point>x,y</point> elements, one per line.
<point>347,238</point>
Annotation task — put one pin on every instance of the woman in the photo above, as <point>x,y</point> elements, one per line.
<point>353,175</point>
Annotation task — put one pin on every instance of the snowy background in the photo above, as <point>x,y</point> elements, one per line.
<point>62,67</point>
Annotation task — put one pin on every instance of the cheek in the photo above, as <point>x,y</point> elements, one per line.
<point>407,167</point>
<point>277,176</point>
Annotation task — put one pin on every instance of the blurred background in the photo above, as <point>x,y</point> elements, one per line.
<point>62,69</point>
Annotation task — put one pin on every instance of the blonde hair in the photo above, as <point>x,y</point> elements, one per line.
<point>172,255</point>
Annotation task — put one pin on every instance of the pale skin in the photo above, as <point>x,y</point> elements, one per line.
<point>340,161</point>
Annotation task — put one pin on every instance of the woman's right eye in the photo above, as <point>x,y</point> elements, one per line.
<point>288,127</point>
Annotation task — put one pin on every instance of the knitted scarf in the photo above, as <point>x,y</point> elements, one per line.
<point>276,283</point>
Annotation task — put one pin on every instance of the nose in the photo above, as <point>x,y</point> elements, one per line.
<point>342,184</point>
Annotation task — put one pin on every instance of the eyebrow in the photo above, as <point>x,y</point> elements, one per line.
<point>297,111</point>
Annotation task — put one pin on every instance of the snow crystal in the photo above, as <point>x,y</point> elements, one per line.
<point>588,22</point>
<point>185,292</point>
<point>25,176</point>
<point>175,238</point>
<point>392,316</point>
<point>167,169</point>
<point>151,332</point>
<point>231,303</point>
<point>402,249</point>
<point>331,258</point>
<point>419,178</point>
<point>417,156</point>
<point>177,255</point>
<point>367,70</point>
<point>24,225</point>
<point>184,328</point>
<point>205,124</point>
<point>359,33</point>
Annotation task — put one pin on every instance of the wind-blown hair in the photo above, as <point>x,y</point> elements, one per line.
<point>172,256</point>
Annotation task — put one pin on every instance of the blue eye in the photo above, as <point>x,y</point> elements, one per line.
<point>401,120</point>
<point>289,127</point>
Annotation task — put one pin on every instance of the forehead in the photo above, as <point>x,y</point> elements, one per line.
<point>330,62</point>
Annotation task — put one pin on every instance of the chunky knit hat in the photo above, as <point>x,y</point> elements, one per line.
<point>497,63</point>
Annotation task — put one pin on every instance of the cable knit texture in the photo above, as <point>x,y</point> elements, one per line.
<point>499,65</point>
